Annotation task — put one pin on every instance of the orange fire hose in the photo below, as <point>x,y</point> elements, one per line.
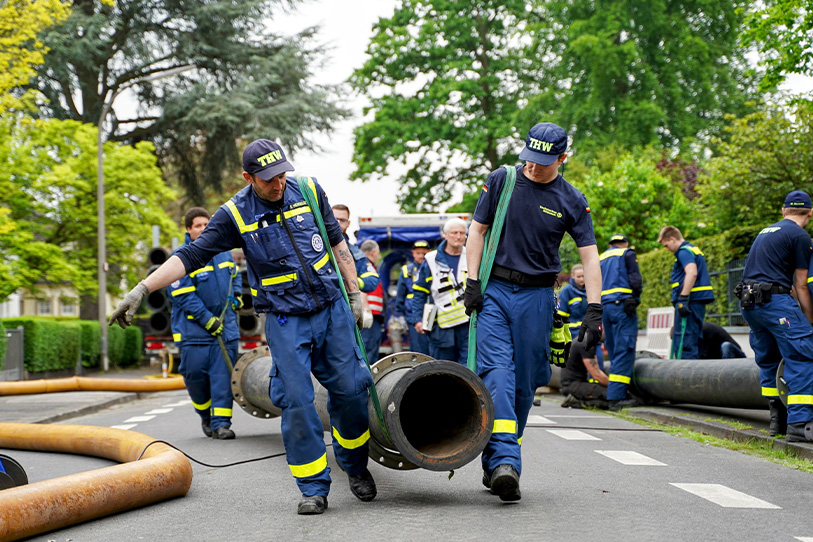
<point>81,383</point>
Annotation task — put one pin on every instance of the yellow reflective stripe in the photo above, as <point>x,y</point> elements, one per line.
<point>253,292</point>
<point>361,283</point>
<point>420,288</point>
<point>204,406</point>
<point>312,186</point>
<point>405,271</point>
<point>176,337</point>
<point>242,226</point>
<point>453,316</point>
<point>809,280</point>
<point>295,212</point>
<point>309,469</point>
<point>519,441</point>
<point>575,300</point>
<point>675,284</point>
<point>410,296</point>
<point>219,411</point>
<point>429,279</point>
<point>800,399</point>
<point>616,291</point>
<point>770,392</point>
<point>201,270</point>
<point>278,280</point>
<point>351,444</point>
<point>224,265</point>
<point>574,324</point>
<point>505,426</point>
<point>563,313</point>
<point>322,261</point>
<point>190,317</point>
<point>181,291</point>
<point>612,253</point>
<point>368,274</point>
<point>620,378</point>
<point>701,288</point>
<point>695,250</point>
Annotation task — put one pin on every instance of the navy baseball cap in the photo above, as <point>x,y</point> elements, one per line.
<point>619,238</point>
<point>265,159</point>
<point>420,244</point>
<point>798,200</point>
<point>544,143</point>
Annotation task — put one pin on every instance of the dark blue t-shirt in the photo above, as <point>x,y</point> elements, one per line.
<point>452,261</point>
<point>778,251</point>
<point>537,219</point>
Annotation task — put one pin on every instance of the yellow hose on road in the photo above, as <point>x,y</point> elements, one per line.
<point>82,383</point>
<point>161,473</point>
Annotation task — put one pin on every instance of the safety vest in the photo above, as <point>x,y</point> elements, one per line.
<point>702,292</point>
<point>447,289</point>
<point>289,269</point>
<point>375,300</point>
<point>572,304</point>
<point>614,279</point>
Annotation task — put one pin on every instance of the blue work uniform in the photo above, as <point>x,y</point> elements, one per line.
<point>514,326</point>
<point>368,280</point>
<point>196,298</point>
<point>620,280</point>
<point>689,330</point>
<point>418,342</point>
<point>779,329</point>
<point>309,328</point>
<point>572,304</point>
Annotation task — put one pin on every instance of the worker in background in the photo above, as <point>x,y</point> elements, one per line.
<point>375,303</point>
<point>620,296</point>
<point>572,306</point>
<point>367,275</point>
<point>198,319</point>
<point>779,259</point>
<point>309,329</point>
<point>443,277</point>
<point>418,342</point>
<point>717,343</point>
<point>691,292</point>
<point>582,379</point>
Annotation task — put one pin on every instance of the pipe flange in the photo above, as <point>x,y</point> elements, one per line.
<point>388,458</point>
<point>398,361</point>
<point>242,362</point>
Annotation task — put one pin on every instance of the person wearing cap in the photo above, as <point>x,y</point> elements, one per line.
<point>691,292</point>
<point>203,309</point>
<point>516,310</point>
<point>620,296</point>
<point>366,273</point>
<point>779,259</point>
<point>418,342</point>
<point>309,328</point>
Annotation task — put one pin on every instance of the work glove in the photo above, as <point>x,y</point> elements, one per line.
<point>590,332</point>
<point>560,339</point>
<point>682,306</point>
<point>237,302</point>
<point>214,326</point>
<point>123,315</point>
<point>472,297</point>
<point>630,304</point>
<point>356,308</point>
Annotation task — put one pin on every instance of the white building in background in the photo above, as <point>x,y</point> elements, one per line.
<point>11,307</point>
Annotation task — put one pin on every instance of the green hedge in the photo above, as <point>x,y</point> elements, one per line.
<point>50,345</point>
<point>3,341</point>
<point>91,342</point>
<point>133,346</point>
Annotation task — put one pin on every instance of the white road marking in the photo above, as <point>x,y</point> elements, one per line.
<point>159,411</point>
<point>184,402</point>
<point>539,419</point>
<point>572,434</point>
<point>575,416</point>
<point>630,458</point>
<point>135,419</point>
<point>804,538</point>
<point>725,496</point>
<point>129,426</point>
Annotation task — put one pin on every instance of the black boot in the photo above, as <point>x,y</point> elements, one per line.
<point>505,483</point>
<point>206,425</point>
<point>363,486</point>
<point>223,433</point>
<point>311,505</point>
<point>779,418</point>
<point>800,432</point>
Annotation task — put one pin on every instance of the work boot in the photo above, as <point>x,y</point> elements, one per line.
<point>800,432</point>
<point>571,402</point>
<point>223,433</point>
<point>537,402</point>
<point>596,403</point>
<point>505,483</point>
<point>486,480</point>
<point>206,425</point>
<point>311,505</point>
<point>624,403</point>
<point>779,418</point>
<point>363,486</point>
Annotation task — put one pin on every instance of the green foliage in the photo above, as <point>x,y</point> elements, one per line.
<point>133,346</point>
<point>3,342</point>
<point>115,345</point>
<point>91,343</point>
<point>50,345</point>
<point>766,155</point>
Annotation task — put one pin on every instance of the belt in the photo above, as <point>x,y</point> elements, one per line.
<point>523,279</point>
<point>775,288</point>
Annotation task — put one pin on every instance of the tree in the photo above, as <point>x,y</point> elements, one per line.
<point>442,81</point>
<point>248,84</point>
<point>766,155</point>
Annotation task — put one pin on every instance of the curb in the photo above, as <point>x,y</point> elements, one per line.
<point>90,409</point>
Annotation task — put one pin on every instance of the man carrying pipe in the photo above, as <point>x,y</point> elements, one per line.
<point>310,328</point>
<point>203,315</point>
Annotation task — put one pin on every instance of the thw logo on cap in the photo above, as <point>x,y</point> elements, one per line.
<point>265,159</point>
<point>272,156</point>
<point>539,145</point>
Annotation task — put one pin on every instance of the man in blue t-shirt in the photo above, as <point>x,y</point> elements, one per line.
<point>517,307</point>
<point>780,327</point>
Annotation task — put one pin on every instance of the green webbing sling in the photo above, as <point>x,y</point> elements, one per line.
<point>308,190</point>
<point>492,240</point>
<point>223,350</point>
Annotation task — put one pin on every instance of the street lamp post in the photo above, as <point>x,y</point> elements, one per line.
<point>100,228</point>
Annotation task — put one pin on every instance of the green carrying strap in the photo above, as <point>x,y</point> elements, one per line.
<point>223,350</point>
<point>492,240</point>
<point>682,332</point>
<point>308,190</point>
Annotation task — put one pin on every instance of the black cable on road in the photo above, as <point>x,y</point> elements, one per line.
<point>189,457</point>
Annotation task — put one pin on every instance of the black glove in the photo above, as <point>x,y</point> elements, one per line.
<point>214,326</point>
<point>630,304</point>
<point>590,332</point>
<point>682,306</point>
<point>472,297</point>
<point>560,340</point>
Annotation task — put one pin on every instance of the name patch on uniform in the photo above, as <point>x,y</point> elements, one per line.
<point>176,284</point>
<point>317,243</point>
<point>297,205</point>
<point>550,212</point>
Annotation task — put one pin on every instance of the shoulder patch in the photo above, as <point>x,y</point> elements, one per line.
<point>176,284</point>
<point>317,243</point>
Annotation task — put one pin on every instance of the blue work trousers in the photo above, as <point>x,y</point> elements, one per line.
<point>513,349</point>
<point>322,343</point>
<point>780,330</point>
<point>419,342</point>
<point>620,333</point>
<point>692,333</point>
<point>208,380</point>
<point>451,343</point>
<point>372,340</point>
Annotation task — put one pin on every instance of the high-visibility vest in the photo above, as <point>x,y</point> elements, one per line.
<point>375,300</point>
<point>447,290</point>
<point>615,282</point>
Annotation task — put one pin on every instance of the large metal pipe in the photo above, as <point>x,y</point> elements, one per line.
<point>731,383</point>
<point>438,414</point>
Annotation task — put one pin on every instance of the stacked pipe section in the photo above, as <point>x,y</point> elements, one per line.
<point>156,320</point>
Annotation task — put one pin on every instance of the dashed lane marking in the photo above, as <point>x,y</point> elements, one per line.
<point>184,402</point>
<point>630,458</point>
<point>575,416</point>
<point>804,538</point>
<point>725,496</point>
<point>159,411</point>
<point>534,419</point>
<point>572,434</point>
<point>136,419</point>
<point>128,426</point>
